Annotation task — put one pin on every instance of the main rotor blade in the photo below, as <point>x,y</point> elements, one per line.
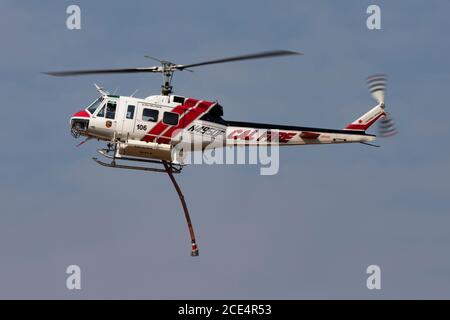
<point>100,71</point>
<point>265,54</point>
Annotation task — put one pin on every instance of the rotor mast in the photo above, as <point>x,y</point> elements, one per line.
<point>167,73</point>
<point>167,69</point>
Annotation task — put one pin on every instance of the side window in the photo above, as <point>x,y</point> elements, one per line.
<point>170,118</point>
<point>130,112</point>
<point>95,105</point>
<point>150,115</point>
<point>101,113</point>
<point>111,110</point>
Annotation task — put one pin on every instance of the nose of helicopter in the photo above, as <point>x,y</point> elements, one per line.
<point>81,114</point>
<point>79,123</point>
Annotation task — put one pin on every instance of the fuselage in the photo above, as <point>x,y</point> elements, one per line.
<point>144,126</point>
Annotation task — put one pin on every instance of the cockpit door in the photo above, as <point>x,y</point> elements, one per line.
<point>105,120</point>
<point>128,117</point>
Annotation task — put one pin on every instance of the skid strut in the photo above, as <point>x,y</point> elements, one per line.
<point>194,247</point>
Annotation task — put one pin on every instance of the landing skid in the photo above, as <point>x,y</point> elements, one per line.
<point>114,164</point>
<point>169,168</point>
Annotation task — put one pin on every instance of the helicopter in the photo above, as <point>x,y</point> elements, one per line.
<point>147,130</point>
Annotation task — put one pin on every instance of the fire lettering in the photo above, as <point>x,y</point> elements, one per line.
<point>267,136</point>
<point>286,136</point>
<point>242,135</point>
<point>247,135</point>
<point>234,134</point>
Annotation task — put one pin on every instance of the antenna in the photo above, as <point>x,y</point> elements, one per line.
<point>101,90</point>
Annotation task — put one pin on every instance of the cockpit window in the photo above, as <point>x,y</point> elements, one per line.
<point>101,113</point>
<point>111,110</point>
<point>95,105</point>
<point>130,111</point>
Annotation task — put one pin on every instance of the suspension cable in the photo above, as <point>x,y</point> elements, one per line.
<point>194,248</point>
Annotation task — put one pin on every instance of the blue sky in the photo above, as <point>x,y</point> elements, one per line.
<point>308,232</point>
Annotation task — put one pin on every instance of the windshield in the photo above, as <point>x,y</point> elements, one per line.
<point>95,105</point>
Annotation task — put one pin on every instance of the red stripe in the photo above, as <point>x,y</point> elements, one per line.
<point>190,102</point>
<point>189,117</point>
<point>309,135</point>
<point>158,128</point>
<point>364,127</point>
<point>82,114</point>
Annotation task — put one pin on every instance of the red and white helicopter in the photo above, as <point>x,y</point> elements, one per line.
<point>147,130</point>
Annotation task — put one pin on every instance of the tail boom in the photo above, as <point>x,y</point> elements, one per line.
<point>252,134</point>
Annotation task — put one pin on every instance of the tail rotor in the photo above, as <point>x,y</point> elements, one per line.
<point>386,127</point>
<point>377,88</point>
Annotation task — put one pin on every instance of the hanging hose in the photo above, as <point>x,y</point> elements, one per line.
<point>194,247</point>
